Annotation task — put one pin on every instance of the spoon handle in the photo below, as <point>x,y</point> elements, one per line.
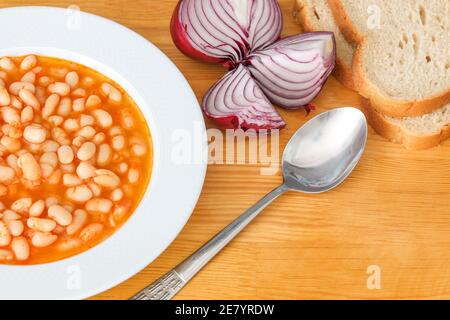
<point>172,282</point>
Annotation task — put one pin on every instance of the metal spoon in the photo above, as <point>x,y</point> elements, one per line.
<point>320,156</point>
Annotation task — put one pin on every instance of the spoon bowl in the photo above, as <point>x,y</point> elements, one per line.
<point>323,152</point>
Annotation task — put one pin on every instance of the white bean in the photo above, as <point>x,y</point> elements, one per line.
<point>123,167</point>
<point>16,103</point>
<point>5,98</point>
<point>30,77</point>
<point>61,88</point>
<point>11,144</point>
<point>11,160</point>
<point>86,132</point>
<point>99,138</point>
<point>41,225</point>
<point>133,175</point>
<point>95,188</point>
<point>41,239</point>
<point>30,99</point>
<point>103,118</point>
<point>60,215</point>
<point>35,133</point>
<point>5,236</point>
<point>99,206</point>
<point>111,92</point>
<point>79,105</point>
<point>55,120</point>
<point>118,142</point>
<point>55,177</point>
<point>86,151</point>
<point>6,174</point>
<point>138,147</point>
<point>106,178</point>
<point>44,81</point>
<point>51,201</point>
<point>6,255</point>
<point>79,194</point>
<point>48,162</point>
<point>10,115</point>
<point>71,180</point>
<point>37,208</point>
<point>30,167</point>
<point>22,205</point>
<point>65,154</point>
<point>58,73</point>
<point>9,215</point>
<point>67,168</point>
<point>15,227</point>
<point>85,170</point>
<point>72,79</point>
<point>93,101</point>
<point>65,107</point>
<point>79,219</point>
<point>50,146</point>
<point>79,93</point>
<point>7,64</point>
<point>91,232</point>
<point>71,125</point>
<point>21,248</point>
<point>27,114</point>
<point>116,195</point>
<point>86,120</point>
<point>50,105</point>
<point>28,63</point>
<point>104,154</point>
<point>126,119</point>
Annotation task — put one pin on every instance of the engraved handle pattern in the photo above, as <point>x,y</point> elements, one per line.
<point>162,289</point>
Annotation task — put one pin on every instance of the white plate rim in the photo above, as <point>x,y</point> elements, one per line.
<point>46,281</point>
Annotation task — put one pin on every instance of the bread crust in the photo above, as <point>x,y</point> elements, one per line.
<point>386,105</point>
<point>348,29</point>
<point>342,72</point>
<point>397,134</point>
<point>362,84</point>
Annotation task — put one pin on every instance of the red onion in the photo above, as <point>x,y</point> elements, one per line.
<point>241,35</point>
<point>292,71</point>
<point>225,31</point>
<point>236,101</point>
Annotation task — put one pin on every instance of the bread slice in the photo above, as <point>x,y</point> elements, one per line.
<point>419,132</point>
<point>415,133</point>
<point>402,61</point>
<point>315,15</point>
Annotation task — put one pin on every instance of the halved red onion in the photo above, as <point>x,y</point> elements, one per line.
<point>292,71</point>
<point>225,31</point>
<point>236,101</point>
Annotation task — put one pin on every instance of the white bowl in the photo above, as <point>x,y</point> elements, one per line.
<point>172,112</point>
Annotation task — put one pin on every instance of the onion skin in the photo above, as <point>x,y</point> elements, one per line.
<point>237,102</point>
<point>181,41</point>
<point>292,71</point>
<point>212,31</point>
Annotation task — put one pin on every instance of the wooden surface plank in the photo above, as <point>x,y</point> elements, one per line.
<point>392,212</point>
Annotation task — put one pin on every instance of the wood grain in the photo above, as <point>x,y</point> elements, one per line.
<point>392,212</point>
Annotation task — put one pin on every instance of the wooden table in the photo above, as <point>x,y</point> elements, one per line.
<point>393,212</point>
